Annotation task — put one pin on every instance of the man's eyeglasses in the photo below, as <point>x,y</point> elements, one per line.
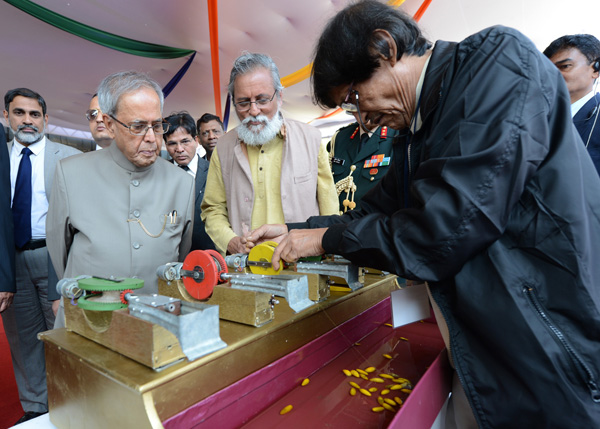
<point>352,108</point>
<point>92,114</point>
<point>140,129</point>
<point>347,105</point>
<point>244,106</point>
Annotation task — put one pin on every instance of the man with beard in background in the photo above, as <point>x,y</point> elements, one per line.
<point>268,169</point>
<point>33,159</point>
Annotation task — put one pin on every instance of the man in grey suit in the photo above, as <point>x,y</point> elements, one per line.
<point>33,159</point>
<point>122,211</point>
<point>182,141</point>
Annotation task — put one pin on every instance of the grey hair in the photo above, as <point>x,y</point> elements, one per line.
<point>250,61</point>
<point>117,84</point>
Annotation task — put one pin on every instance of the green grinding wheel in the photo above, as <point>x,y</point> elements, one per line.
<point>101,285</point>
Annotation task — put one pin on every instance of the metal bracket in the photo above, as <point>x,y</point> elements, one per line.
<point>293,288</point>
<point>195,325</point>
<point>338,268</point>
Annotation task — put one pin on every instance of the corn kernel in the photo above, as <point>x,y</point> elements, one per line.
<point>385,391</point>
<point>390,377</point>
<point>377,380</point>
<point>406,390</point>
<point>352,391</point>
<point>364,377</point>
<point>389,324</point>
<point>380,400</point>
<point>357,344</point>
<point>385,355</point>
<point>370,369</point>
<point>377,409</point>
<point>353,384</point>
<point>362,372</point>
<point>396,387</point>
<point>390,401</point>
<point>286,410</point>
<point>305,382</point>
<point>355,373</point>
<point>388,407</point>
<point>373,389</point>
<point>346,372</point>
<point>404,338</point>
<point>398,400</point>
<point>365,392</point>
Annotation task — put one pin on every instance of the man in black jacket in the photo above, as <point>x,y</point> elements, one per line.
<point>578,59</point>
<point>491,198</point>
<point>181,141</point>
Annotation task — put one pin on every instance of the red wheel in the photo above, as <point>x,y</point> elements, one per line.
<point>122,296</point>
<point>204,263</point>
<point>220,261</point>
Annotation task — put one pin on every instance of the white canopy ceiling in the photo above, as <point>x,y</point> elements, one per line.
<point>66,69</point>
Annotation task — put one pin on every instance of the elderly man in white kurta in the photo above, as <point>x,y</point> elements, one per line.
<point>122,211</point>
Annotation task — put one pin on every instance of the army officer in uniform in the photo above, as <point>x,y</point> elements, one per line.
<point>359,159</point>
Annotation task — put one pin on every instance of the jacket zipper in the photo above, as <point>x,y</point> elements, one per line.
<point>573,355</point>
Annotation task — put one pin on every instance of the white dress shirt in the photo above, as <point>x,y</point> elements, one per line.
<point>580,103</point>
<point>193,166</point>
<point>39,201</point>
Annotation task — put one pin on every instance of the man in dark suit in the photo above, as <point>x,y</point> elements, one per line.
<point>7,242</point>
<point>578,59</point>
<point>33,160</point>
<point>182,141</point>
<point>368,152</point>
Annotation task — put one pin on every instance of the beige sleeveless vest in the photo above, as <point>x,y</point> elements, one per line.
<point>299,172</point>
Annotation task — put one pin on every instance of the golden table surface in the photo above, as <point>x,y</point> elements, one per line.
<point>92,386</point>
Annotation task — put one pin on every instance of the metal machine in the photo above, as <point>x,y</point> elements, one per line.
<point>248,294</point>
<point>154,330</point>
<point>247,298</point>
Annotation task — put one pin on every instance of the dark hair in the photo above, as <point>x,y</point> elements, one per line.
<point>180,120</point>
<point>587,44</point>
<point>206,118</point>
<point>23,92</point>
<point>348,50</point>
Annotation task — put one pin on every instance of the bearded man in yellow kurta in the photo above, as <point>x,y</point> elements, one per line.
<point>268,169</point>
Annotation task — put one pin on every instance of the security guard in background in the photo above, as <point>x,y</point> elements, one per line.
<point>358,161</point>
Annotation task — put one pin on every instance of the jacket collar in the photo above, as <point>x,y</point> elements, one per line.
<point>122,161</point>
<point>434,79</point>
